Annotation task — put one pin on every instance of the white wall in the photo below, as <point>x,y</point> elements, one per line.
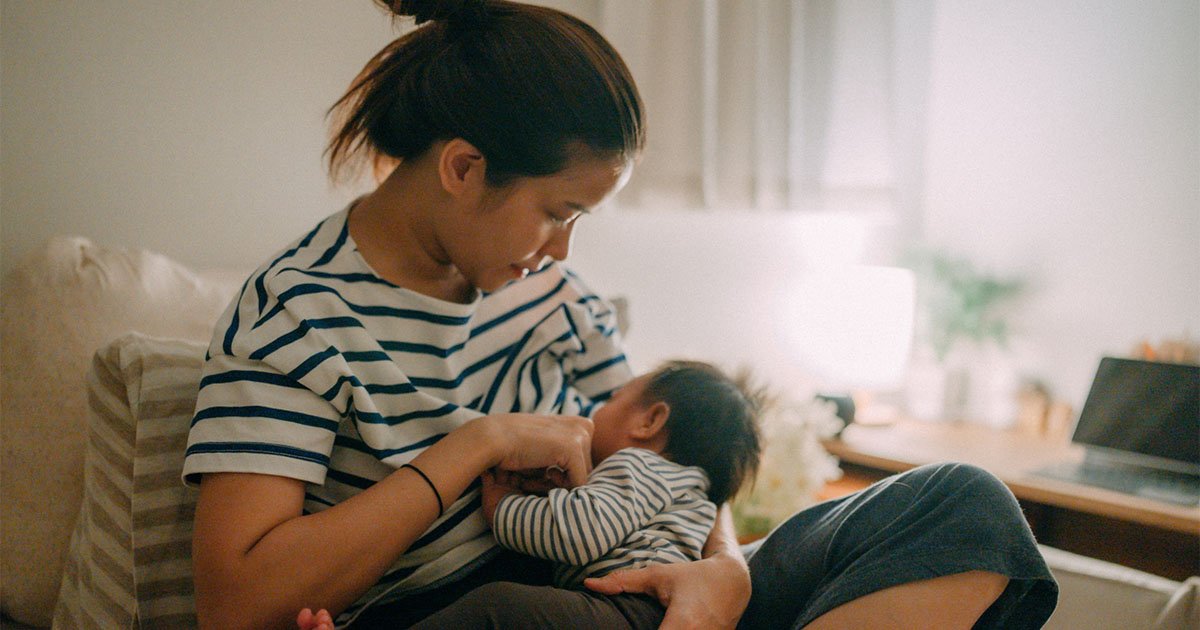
<point>191,128</point>
<point>712,285</point>
<point>1064,147</point>
<point>1063,144</point>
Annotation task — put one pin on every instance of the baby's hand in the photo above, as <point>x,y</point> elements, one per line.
<point>306,620</point>
<point>541,481</point>
<point>494,487</point>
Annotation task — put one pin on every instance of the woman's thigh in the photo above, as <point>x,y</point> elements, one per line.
<point>512,606</point>
<point>406,611</point>
<point>930,522</point>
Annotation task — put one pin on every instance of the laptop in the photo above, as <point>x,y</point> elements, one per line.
<point>1140,427</point>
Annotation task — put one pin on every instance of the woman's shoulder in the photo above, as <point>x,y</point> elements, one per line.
<point>318,275</point>
<point>322,249</point>
<point>325,262</point>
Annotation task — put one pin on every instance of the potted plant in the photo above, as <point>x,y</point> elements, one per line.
<point>963,361</point>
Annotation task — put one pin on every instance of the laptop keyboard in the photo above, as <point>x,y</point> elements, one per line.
<point>1178,488</point>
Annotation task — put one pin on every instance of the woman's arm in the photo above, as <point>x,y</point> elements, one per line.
<point>258,560</point>
<point>709,593</point>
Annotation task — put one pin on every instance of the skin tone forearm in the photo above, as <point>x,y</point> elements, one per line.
<point>280,561</point>
<point>722,549</point>
<point>722,540</point>
<point>258,560</point>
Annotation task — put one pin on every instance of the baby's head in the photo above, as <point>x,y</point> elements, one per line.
<point>691,413</point>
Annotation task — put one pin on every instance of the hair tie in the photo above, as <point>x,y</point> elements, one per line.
<point>441,510</point>
<point>456,13</point>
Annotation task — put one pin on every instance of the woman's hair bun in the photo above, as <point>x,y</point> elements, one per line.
<point>450,11</point>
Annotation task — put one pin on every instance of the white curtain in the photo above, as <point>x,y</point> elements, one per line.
<point>777,104</point>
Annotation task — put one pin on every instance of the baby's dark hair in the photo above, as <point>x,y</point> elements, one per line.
<point>713,423</point>
<point>529,86</point>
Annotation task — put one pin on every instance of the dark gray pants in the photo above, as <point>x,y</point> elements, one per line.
<point>929,522</point>
<point>513,606</point>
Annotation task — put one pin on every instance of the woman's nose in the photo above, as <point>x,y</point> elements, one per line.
<point>559,245</point>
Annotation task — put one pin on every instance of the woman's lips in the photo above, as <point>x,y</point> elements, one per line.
<point>522,269</point>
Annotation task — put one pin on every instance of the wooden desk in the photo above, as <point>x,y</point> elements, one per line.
<point>1150,535</point>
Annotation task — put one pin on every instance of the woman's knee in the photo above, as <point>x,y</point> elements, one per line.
<point>954,490</point>
<point>956,471</point>
<point>959,477</point>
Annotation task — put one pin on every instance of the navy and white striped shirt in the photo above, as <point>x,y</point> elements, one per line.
<point>636,509</point>
<point>322,371</point>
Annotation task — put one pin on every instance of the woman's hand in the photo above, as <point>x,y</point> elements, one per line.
<point>708,593</point>
<point>539,482</point>
<point>523,441</point>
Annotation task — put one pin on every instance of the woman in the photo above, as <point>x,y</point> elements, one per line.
<point>366,376</point>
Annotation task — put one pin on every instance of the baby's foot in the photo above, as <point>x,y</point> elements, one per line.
<point>306,620</point>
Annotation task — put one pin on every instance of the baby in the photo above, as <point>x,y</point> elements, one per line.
<point>668,447</point>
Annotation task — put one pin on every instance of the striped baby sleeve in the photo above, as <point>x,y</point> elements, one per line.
<point>581,525</point>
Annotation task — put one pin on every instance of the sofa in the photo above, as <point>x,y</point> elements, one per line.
<point>102,349</point>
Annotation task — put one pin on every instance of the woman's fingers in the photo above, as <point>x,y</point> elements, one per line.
<point>627,581</point>
<point>700,594</point>
<point>543,442</point>
<point>579,467</point>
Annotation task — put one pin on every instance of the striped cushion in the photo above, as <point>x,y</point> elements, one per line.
<point>130,559</point>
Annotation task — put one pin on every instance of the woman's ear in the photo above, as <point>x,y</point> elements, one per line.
<point>652,422</point>
<point>461,167</point>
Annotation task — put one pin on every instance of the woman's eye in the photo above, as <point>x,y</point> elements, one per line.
<point>560,221</point>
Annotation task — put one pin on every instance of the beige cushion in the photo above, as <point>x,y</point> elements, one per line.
<point>1183,610</point>
<point>57,308</point>
<point>131,550</point>
<point>1095,595</point>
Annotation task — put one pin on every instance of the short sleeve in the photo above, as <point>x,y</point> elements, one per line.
<point>289,367</point>
<point>252,418</point>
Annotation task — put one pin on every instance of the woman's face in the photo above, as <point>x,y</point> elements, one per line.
<point>520,227</point>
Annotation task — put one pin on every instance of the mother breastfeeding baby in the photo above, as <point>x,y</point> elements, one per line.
<point>369,375</point>
<point>669,447</point>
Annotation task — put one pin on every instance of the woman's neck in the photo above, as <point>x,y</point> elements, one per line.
<point>394,228</point>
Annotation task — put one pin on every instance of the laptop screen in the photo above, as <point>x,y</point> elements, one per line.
<point>1144,413</point>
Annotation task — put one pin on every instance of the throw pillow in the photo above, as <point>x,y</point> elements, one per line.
<point>57,307</point>
<point>130,560</point>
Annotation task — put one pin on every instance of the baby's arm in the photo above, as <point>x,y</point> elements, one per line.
<point>495,486</point>
<point>579,526</point>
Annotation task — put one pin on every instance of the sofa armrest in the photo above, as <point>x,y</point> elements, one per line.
<point>1096,594</point>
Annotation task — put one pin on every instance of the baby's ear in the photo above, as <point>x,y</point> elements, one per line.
<point>652,421</point>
